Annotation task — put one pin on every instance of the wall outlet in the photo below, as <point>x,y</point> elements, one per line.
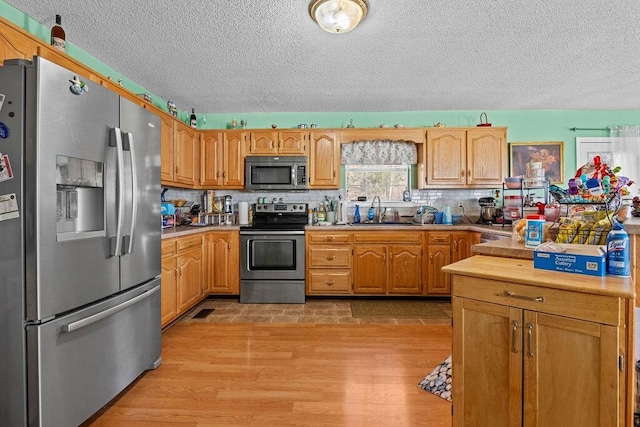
<point>460,205</point>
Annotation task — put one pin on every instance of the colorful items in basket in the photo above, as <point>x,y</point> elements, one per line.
<point>594,182</point>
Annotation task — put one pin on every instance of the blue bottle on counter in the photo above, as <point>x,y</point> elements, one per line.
<point>618,254</point>
<point>371,214</point>
<point>356,215</point>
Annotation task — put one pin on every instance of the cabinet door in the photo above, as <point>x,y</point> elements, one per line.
<point>263,142</point>
<point>324,160</point>
<point>14,44</point>
<point>189,265</point>
<point>168,295</point>
<point>462,242</point>
<point>487,361</point>
<point>210,174</point>
<point>438,282</point>
<point>293,142</point>
<point>222,263</point>
<point>574,362</point>
<point>370,269</point>
<point>187,155</point>
<point>405,269</point>
<point>233,159</point>
<point>446,164</point>
<point>167,153</point>
<point>486,157</point>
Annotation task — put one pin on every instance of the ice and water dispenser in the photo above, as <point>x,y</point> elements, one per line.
<point>80,210</point>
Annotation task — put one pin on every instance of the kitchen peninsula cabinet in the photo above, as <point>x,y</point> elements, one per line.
<point>329,262</point>
<point>466,157</point>
<point>324,160</point>
<point>443,248</point>
<point>387,262</point>
<point>222,262</point>
<point>536,347</point>
<point>287,142</point>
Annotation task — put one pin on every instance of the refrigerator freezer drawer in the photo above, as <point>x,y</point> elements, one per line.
<point>81,361</point>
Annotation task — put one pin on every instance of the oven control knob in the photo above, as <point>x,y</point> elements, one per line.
<point>259,207</point>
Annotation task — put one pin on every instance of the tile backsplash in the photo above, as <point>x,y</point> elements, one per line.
<point>436,198</point>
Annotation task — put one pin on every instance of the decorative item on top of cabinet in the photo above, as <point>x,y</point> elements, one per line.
<point>291,142</point>
<point>329,262</point>
<point>387,262</point>
<point>222,262</point>
<point>324,160</point>
<point>466,157</point>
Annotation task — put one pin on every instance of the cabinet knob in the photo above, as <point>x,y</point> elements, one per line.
<point>329,238</point>
<point>329,282</point>
<point>462,173</point>
<point>469,172</point>
<point>330,257</point>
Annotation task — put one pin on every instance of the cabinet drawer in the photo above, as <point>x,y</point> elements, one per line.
<point>387,237</point>
<point>168,248</point>
<point>577,305</point>
<point>315,237</point>
<point>330,256</point>
<point>186,243</point>
<point>439,238</point>
<point>330,281</point>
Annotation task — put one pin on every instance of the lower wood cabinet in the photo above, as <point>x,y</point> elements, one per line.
<point>387,263</point>
<point>181,276</point>
<point>527,355</point>
<point>329,262</point>
<point>443,248</point>
<point>221,262</point>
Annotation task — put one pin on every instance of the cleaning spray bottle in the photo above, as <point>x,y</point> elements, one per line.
<point>356,215</point>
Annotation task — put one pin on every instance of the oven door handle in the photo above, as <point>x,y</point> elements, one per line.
<point>272,232</point>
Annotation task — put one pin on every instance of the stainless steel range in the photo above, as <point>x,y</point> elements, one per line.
<point>272,261</point>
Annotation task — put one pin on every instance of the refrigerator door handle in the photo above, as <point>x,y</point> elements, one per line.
<point>79,324</point>
<point>128,239</point>
<point>116,141</point>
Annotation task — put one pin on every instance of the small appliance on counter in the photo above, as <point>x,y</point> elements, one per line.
<point>487,210</point>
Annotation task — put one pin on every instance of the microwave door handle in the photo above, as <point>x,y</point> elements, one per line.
<point>293,174</point>
<point>128,239</point>
<point>116,141</point>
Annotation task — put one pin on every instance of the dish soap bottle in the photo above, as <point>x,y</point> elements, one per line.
<point>371,213</point>
<point>356,215</point>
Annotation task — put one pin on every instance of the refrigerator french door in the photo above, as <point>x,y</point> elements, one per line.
<point>80,287</point>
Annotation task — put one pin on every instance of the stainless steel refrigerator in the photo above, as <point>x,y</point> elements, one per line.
<point>80,252</point>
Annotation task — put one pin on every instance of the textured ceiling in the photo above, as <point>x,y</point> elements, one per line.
<point>407,55</point>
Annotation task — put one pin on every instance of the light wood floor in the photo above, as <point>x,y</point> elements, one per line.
<point>244,374</point>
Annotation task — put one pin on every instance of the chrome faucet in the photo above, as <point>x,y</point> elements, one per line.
<point>379,213</point>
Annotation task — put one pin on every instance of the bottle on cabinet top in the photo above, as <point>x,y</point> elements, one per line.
<point>58,37</point>
<point>192,120</point>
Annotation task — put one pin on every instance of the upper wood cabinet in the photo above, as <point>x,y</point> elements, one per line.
<point>187,155</point>
<point>288,142</point>
<point>460,157</point>
<point>167,154</point>
<point>233,154</point>
<point>324,160</point>
<point>211,158</point>
<point>14,44</point>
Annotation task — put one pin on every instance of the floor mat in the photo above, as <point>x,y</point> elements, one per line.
<point>203,313</point>
<point>397,308</point>
<point>438,381</point>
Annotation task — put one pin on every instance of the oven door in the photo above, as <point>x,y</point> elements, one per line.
<point>272,255</point>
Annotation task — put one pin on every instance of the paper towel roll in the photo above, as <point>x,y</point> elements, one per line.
<point>243,213</point>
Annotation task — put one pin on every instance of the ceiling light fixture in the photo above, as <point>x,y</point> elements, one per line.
<point>338,16</point>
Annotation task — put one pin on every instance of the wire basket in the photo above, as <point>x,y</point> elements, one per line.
<point>582,233</point>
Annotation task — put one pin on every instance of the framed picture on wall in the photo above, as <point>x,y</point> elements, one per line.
<point>549,153</point>
<point>589,147</point>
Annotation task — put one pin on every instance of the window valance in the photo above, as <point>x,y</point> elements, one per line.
<point>379,153</point>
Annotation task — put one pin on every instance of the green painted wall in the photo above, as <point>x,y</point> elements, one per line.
<point>523,125</point>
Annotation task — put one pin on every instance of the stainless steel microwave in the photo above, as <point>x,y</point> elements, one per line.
<point>275,173</point>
